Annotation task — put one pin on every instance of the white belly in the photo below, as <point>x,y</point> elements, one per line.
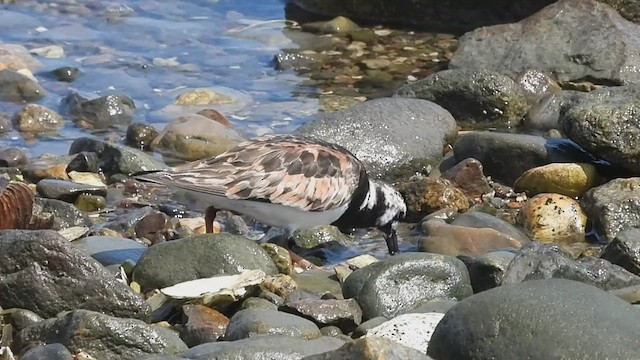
<point>266,213</point>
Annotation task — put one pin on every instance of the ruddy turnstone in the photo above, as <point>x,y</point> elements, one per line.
<point>287,182</point>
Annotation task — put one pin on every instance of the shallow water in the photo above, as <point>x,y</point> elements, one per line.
<point>150,50</point>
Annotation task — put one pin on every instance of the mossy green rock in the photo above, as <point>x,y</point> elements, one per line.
<point>570,179</point>
<point>172,262</point>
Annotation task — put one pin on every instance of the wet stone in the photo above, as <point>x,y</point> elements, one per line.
<point>140,136</point>
<point>104,337</point>
<point>417,278</point>
<point>624,250</point>
<point>474,97</point>
<point>12,157</point>
<point>570,179</point>
<point>428,195</point>
<point>254,322</point>
<point>371,348</point>
<point>613,206</point>
<point>67,190</point>
<point>37,118</point>
<point>258,303</point>
<point>412,330</point>
<point>116,158</point>
<point>22,318</point>
<point>116,110</point>
<point>66,73</point>
<point>29,282</point>
<point>16,87</point>
<point>53,351</point>
<point>468,176</point>
<point>487,271</point>
<point>553,218</point>
<point>90,203</point>
<point>65,215</point>
<point>479,219</point>
<point>540,261</point>
<point>345,314</point>
<point>5,123</point>
<point>203,325</point>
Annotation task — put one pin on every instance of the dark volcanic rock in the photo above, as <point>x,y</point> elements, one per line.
<point>172,262</point>
<point>539,261</point>
<point>406,281</point>
<point>393,136</point>
<point>104,337</point>
<point>42,272</point>
<point>613,206</point>
<point>547,319</point>
<point>572,39</point>
<point>474,97</point>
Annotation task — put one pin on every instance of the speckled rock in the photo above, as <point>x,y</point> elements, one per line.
<point>115,110</point>
<point>540,261</point>
<point>613,206</point>
<point>481,98</point>
<point>412,330</point>
<point>410,143</point>
<point>431,194</point>
<point>582,39</point>
<point>42,272</point>
<point>104,337</point>
<point>551,218</point>
<point>254,322</point>
<point>546,308</point>
<point>37,118</point>
<point>604,123</point>
<point>570,179</point>
<point>169,263</point>
<point>406,281</point>
<point>624,250</point>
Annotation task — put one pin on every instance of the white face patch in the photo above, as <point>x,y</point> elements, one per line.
<point>393,204</point>
<point>371,198</point>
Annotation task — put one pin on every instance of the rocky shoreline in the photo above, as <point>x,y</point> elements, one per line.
<point>514,147</point>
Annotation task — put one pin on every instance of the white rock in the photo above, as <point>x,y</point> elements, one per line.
<point>412,330</point>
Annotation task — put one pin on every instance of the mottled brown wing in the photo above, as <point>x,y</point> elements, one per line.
<point>308,174</point>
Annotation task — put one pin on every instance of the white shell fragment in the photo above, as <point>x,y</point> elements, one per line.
<point>217,289</point>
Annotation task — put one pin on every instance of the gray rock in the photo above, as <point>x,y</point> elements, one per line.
<point>536,85</point>
<point>487,271</point>
<point>116,158</point>
<point>109,251</point>
<point>263,347</point>
<point>12,157</point>
<point>65,215</point>
<point>141,135</point>
<point>479,219</point>
<point>364,328</point>
<point>604,123</point>
<point>22,318</point>
<point>37,118</point>
<point>254,322</point>
<point>393,136</point>
<point>67,190</point>
<point>17,88</point>
<point>479,98</point>
<point>53,351</point>
<point>437,306</point>
<point>345,314</point>
<point>624,250</point>
<point>371,348</point>
<point>115,110</point>
<point>43,273</point>
<point>506,156</point>
<point>572,39</point>
<point>104,337</point>
<point>126,221</point>
<point>545,114</point>
<point>258,303</point>
<point>613,206</point>
<point>66,73</point>
<point>540,261</point>
<point>172,262</point>
<point>547,319</point>
<point>406,281</point>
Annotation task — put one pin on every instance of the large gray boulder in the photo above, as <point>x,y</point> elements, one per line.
<point>42,272</point>
<point>538,320</point>
<point>394,137</point>
<point>572,39</point>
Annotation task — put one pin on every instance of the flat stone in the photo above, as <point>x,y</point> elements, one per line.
<point>254,322</point>
<point>345,314</point>
<point>67,190</point>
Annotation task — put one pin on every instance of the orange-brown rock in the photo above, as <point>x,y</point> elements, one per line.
<point>203,325</point>
<point>427,195</point>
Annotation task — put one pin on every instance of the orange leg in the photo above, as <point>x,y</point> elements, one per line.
<point>209,216</point>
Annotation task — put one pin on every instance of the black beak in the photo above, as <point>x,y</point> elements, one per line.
<point>391,237</point>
